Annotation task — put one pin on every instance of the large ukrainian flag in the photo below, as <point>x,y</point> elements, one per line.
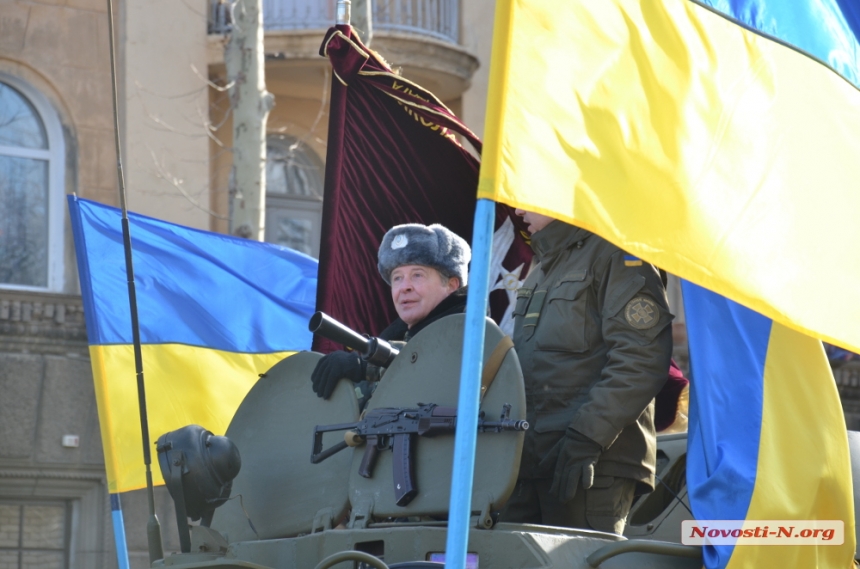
<point>215,312</point>
<point>717,140</point>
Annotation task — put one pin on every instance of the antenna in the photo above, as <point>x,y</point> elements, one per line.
<point>153,529</point>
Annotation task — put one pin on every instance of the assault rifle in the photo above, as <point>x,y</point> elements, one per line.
<point>396,428</point>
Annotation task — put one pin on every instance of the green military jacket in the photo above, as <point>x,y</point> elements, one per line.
<point>592,333</point>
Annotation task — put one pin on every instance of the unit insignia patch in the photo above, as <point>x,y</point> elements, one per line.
<point>642,313</point>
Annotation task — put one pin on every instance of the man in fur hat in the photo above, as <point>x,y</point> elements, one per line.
<point>427,268</point>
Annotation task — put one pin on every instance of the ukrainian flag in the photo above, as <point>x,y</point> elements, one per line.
<point>715,139</point>
<point>215,312</point>
<point>767,435</point>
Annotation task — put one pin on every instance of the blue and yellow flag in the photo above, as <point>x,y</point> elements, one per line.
<point>215,312</point>
<point>767,437</point>
<point>717,140</point>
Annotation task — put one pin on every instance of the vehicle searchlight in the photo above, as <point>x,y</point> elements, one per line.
<point>198,469</point>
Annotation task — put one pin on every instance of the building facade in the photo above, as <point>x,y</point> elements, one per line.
<point>57,139</point>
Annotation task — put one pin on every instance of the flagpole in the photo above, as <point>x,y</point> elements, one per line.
<point>465,438</point>
<point>119,532</point>
<point>153,530</point>
<point>344,12</point>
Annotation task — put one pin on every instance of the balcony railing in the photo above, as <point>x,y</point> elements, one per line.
<point>435,18</point>
<point>438,19</point>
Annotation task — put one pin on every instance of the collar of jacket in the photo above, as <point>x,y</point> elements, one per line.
<point>454,303</point>
<point>556,237</point>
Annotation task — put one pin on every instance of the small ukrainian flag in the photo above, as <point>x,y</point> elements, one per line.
<point>632,260</point>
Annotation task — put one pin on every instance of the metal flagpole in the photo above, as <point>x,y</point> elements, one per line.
<point>344,12</point>
<point>153,530</point>
<point>119,532</point>
<point>465,438</point>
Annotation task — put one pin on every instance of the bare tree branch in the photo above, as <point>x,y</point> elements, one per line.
<point>210,83</point>
<point>210,129</point>
<point>178,184</point>
<point>192,93</point>
<point>157,120</point>
<point>320,112</point>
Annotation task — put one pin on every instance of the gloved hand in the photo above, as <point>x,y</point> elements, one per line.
<point>334,367</point>
<point>575,456</point>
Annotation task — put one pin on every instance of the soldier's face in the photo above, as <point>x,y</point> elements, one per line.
<point>535,221</point>
<point>417,290</point>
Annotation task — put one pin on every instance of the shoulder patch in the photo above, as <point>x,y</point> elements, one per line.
<point>642,313</point>
<point>632,260</point>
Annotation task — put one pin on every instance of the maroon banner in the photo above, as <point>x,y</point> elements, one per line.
<point>393,157</point>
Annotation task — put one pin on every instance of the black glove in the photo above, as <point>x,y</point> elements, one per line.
<point>575,456</point>
<point>334,367</point>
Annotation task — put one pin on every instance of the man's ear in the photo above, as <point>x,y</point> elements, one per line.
<point>453,284</point>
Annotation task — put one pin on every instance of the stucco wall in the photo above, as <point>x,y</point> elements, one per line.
<point>477,36</point>
<point>166,109</point>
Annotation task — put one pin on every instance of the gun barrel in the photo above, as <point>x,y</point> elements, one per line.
<point>503,425</point>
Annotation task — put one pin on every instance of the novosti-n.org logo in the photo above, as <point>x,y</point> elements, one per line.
<point>762,532</point>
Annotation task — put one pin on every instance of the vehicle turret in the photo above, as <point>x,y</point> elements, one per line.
<point>285,512</point>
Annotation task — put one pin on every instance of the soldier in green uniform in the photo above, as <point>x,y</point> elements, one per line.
<point>593,337</point>
<point>427,268</point>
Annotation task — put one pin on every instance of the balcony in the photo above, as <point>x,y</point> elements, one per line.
<point>421,37</point>
<point>436,19</point>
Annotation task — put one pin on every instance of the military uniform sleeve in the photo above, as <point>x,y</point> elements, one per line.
<point>635,318</point>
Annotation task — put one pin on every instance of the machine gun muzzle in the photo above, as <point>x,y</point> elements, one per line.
<point>374,350</point>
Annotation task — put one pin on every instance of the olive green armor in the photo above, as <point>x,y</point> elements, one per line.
<point>593,336</point>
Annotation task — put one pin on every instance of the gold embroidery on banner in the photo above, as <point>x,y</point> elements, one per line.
<point>406,81</point>
<point>405,86</point>
<point>406,105</point>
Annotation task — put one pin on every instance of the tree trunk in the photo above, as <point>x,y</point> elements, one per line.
<point>244,60</point>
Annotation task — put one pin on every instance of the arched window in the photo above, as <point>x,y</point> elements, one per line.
<point>294,191</point>
<point>31,189</point>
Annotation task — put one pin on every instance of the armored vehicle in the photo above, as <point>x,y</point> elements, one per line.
<point>287,512</point>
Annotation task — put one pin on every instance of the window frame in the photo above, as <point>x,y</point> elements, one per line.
<point>69,515</point>
<point>300,206</point>
<point>87,495</point>
<point>55,155</point>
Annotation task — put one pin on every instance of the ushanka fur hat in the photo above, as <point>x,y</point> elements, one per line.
<point>433,246</point>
